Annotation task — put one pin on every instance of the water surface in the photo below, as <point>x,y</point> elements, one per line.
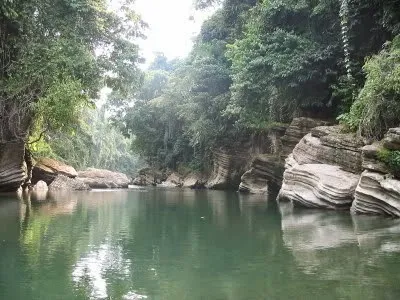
<point>172,244</point>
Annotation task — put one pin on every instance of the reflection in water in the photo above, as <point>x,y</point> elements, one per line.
<point>349,250</point>
<point>96,264</point>
<point>173,244</point>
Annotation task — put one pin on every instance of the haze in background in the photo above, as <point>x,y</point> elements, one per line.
<point>172,27</point>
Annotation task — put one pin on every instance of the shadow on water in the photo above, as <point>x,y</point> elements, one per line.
<point>183,244</point>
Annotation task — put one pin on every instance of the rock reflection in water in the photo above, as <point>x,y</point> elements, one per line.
<point>345,249</point>
<point>182,244</point>
<point>311,234</point>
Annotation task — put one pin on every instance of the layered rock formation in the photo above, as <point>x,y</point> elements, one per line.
<point>103,179</point>
<point>392,139</point>
<point>322,171</point>
<point>370,159</point>
<point>297,130</point>
<point>325,169</point>
<point>377,194</point>
<point>12,166</point>
<point>228,169</point>
<point>327,145</point>
<point>266,170</point>
<point>319,186</point>
<point>47,169</point>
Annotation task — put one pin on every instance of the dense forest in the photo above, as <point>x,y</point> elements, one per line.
<point>254,64</point>
<point>56,56</point>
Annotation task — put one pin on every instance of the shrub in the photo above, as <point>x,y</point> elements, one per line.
<point>377,106</point>
<point>391,159</point>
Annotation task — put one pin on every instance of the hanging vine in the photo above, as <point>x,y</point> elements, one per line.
<point>344,22</point>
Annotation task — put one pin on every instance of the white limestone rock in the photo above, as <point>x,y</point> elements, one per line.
<point>377,194</point>
<point>319,186</point>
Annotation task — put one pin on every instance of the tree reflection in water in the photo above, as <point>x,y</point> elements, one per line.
<point>173,244</point>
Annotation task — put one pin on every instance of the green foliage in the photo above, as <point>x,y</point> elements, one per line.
<point>377,107</point>
<point>50,68</point>
<point>286,60</point>
<point>92,143</point>
<point>391,159</point>
<point>177,118</point>
<point>256,64</point>
<point>62,106</point>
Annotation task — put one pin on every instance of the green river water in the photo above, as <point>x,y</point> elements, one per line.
<point>173,244</point>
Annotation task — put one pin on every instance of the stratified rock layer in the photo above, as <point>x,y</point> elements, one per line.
<point>252,183</point>
<point>319,186</point>
<point>173,180</point>
<point>47,169</point>
<point>103,179</point>
<point>326,145</point>
<point>297,130</point>
<point>12,166</point>
<point>228,169</point>
<point>370,159</point>
<point>377,194</point>
<point>266,170</point>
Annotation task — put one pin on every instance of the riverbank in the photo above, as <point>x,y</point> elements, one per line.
<point>314,164</point>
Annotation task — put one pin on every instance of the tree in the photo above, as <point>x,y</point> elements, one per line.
<point>287,59</point>
<point>50,69</point>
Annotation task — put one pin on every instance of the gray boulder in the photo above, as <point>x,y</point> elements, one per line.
<point>103,179</point>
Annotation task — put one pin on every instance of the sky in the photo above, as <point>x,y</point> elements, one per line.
<point>171,28</point>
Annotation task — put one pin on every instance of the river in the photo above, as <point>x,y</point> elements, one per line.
<point>182,244</point>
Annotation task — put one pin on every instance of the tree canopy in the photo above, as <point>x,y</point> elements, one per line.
<point>253,64</point>
<point>258,63</point>
<point>57,55</point>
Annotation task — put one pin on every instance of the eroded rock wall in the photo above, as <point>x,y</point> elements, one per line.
<point>336,170</point>
<point>47,169</point>
<point>229,166</point>
<point>319,186</point>
<point>267,169</point>
<point>327,145</point>
<point>298,128</point>
<point>12,166</point>
<point>377,194</point>
<point>323,169</point>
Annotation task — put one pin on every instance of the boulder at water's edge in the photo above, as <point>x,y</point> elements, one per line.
<point>103,179</point>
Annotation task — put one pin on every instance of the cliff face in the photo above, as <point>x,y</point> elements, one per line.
<point>334,170</point>
<point>326,145</point>
<point>248,166</point>
<point>378,193</point>
<point>12,166</point>
<point>296,131</point>
<point>267,169</point>
<point>319,186</point>
<point>228,168</point>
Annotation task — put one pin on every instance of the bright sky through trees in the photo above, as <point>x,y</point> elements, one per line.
<point>172,26</point>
